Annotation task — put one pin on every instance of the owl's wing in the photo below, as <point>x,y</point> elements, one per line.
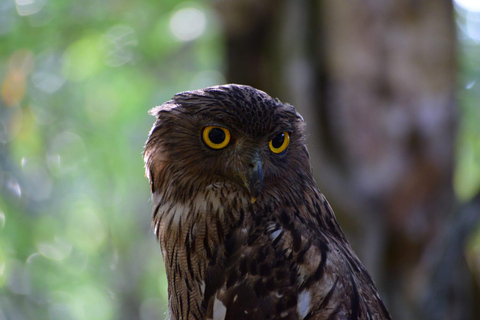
<point>251,278</point>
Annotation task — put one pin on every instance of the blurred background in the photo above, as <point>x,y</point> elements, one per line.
<point>390,91</point>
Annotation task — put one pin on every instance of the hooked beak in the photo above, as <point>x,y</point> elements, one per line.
<point>253,178</point>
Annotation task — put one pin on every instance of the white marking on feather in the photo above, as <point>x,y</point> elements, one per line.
<point>271,227</point>
<point>303,303</point>
<point>177,212</point>
<point>212,200</point>
<point>172,212</point>
<point>219,310</point>
<point>274,235</point>
<point>202,287</point>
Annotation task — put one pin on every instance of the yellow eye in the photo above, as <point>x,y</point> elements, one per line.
<point>280,142</point>
<point>216,137</point>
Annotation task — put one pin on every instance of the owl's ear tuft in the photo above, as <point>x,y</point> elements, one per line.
<point>166,107</point>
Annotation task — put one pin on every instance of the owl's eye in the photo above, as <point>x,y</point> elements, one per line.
<point>280,142</point>
<point>216,137</point>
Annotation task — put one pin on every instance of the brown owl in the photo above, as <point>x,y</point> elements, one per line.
<point>245,232</point>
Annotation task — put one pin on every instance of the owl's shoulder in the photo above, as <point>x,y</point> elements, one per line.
<point>279,266</point>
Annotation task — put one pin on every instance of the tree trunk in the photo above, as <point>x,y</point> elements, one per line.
<point>375,82</point>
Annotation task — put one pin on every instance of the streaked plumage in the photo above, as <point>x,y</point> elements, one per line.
<point>245,232</point>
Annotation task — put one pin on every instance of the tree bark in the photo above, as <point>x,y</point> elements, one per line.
<point>375,82</point>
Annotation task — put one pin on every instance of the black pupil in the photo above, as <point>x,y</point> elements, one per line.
<point>216,135</point>
<point>277,141</point>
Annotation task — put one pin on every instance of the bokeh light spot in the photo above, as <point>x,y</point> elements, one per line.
<point>2,271</point>
<point>47,82</point>
<point>29,7</point>
<point>18,278</point>
<point>118,44</point>
<point>13,185</point>
<point>57,250</point>
<point>67,151</point>
<point>470,85</point>
<point>188,23</point>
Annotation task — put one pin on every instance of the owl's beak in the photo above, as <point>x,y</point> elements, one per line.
<point>254,178</point>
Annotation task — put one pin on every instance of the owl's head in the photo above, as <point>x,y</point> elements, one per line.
<point>230,134</point>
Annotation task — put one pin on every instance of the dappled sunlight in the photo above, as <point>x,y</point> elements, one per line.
<point>469,24</point>
<point>470,5</point>
<point>188,23</point>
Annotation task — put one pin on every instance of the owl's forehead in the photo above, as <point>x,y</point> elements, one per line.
<point>240,107</point>
<point>253,118</point>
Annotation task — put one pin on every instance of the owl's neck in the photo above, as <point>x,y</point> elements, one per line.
<point>190,234</point>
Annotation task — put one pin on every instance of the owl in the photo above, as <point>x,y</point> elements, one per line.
<point>244,231</point>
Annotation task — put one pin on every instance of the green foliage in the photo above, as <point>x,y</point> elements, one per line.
<point>77,80</point>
